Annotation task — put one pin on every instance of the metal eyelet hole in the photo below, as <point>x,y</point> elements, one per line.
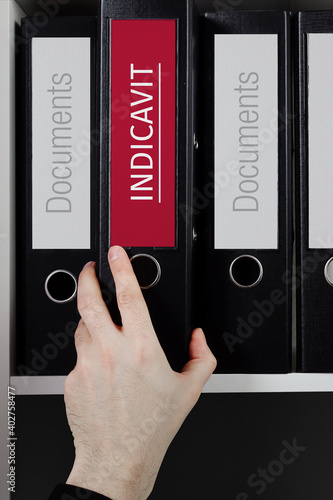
<point>61,286</point>
<point>147,269</point>
<point>246,271</point>
<point>329,272</point>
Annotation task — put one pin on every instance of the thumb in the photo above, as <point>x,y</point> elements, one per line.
<point>202,362</point>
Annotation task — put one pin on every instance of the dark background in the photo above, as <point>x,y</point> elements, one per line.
<point>225,439</point>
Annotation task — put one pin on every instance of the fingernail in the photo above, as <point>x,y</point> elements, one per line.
<point>113,254</point>
<point>90,264</point>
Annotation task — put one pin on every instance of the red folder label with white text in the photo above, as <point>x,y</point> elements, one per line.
<point>143,133</point>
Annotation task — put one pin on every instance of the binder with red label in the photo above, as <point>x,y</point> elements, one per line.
<point>147,155</point>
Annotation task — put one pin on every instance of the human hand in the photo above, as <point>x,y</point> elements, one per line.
<point>124,403</point>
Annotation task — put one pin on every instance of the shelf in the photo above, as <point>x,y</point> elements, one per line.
<point>290,382</point>
<point>235,383</point>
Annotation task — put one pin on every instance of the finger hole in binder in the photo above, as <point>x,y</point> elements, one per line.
<point>246,271</point>
<point>329,272</point>
<point>61,286</point>
<point>147,270</point>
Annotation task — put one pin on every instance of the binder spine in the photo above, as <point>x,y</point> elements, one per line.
<point>57,185</point>
<point>147,157</point>
<point>246,286</point>
<point>313,196</point>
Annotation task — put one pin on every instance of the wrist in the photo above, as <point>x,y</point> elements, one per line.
<point>102,481</point>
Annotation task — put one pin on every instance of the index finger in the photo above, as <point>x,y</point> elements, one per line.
<point>91,305</point>
<point>131,303</point>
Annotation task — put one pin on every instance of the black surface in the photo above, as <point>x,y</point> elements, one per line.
<point>314,294</point>
<point>40,319</point>
<point>262,344</point>
<point>225,439</point>
<point>170,301</point>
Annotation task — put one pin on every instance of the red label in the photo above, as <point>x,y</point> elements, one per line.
<point>143,133</point>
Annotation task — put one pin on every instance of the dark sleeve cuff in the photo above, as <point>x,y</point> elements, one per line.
<point>69,492</point>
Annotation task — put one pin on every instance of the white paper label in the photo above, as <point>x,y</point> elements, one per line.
<point>61,143</point>
<point>246,141</point>
<point>320,113</point>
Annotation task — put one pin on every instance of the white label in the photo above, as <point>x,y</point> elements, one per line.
<point>61,143</point>
<point>320,58</point>
<point>246,142</point>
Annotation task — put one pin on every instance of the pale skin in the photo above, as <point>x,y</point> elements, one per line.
<point>124,403</point>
